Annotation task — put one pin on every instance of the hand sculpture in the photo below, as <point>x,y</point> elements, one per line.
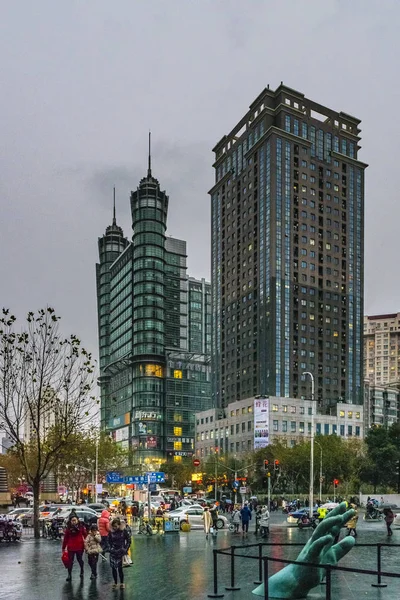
<point>295,581</point>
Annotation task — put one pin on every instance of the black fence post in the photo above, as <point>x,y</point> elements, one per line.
<point>266,582</point>
<point>215,568</point>
<point>260,565</point>
<point>232,587</point>
<point>328,595</point>
<point>379,568</point>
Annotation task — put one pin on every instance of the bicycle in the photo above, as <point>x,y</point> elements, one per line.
<point>145,528</point>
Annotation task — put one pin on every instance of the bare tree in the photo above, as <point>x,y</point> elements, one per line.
<point>46,383</point>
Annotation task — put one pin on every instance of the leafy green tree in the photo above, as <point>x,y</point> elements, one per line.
<point>179,473</point>
<point>383,455</point>
<point>76,463</point>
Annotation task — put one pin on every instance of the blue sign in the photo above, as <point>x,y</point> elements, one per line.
<point>152,487</point>
<point>156,477</point>
<point>236,485</point>
<point>114,477</point>
<point>136,479</point>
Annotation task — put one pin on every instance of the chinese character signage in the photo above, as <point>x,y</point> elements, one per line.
<point>261,423</point>
<point>114,477</point>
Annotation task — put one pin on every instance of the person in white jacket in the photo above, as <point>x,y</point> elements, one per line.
<point>264,522</point>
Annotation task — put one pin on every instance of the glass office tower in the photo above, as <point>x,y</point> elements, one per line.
<point>142,290</point>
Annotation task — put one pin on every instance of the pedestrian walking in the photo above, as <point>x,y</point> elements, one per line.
<point>264,521</point>
<point>389,518</point>
<point>352,524</point>
<point>135,512</point>
<point>118,546</point>
<point>236,519</point>
<point>245,515</point>
<point>93,549</point>
<point>104,529</point>
<point>207,518</point>
<point>214,517</point>
<point>74,543</point>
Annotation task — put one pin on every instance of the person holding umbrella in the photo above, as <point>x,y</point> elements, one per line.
<point>389,518</point>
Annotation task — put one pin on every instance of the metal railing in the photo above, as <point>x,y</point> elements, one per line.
<point>263,566</point>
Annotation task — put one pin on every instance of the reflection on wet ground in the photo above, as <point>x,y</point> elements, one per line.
<point>179,567</point>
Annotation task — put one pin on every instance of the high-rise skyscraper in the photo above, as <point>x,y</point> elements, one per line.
<point>288,252</point>
<point>150,384</point>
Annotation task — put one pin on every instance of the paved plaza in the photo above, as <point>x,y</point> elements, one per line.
<point>179,567</point>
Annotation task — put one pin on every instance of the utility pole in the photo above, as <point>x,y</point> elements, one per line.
<point>311,493</point>
<point>216,474</point>
<point>235,487</point>
<point>269,490</point>
<point>148,496</point>
<point>320,471</point>
<point>96,469</point>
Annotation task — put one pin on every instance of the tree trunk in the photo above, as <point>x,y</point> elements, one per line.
<point>36,503</point>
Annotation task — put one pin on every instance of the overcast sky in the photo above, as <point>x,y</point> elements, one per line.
<point>81,83</point>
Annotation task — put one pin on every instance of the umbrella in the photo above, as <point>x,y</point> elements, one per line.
<point>387,505</point>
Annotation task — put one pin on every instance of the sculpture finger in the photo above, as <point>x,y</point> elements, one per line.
<point>343,547</point>
<point>348,515</point>
<point>338,510</point>
<point>326,526</point>
<point>316,549</point>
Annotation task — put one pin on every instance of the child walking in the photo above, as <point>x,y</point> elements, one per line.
<point>93,549</point>
<point>118,546</point>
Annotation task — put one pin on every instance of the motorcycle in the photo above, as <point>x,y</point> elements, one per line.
<point>306,521</point>
<point>10,530</point>
<point>53,530</point>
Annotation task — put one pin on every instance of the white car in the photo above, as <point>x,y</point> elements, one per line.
<point>193,515</point>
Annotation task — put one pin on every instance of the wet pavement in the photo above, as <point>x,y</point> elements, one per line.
<point>179,567</point>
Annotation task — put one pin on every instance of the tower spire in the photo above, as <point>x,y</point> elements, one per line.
<point>149,167</point>
<point>114,216</point>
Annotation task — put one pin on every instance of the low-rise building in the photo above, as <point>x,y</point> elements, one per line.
<point>236,429</point>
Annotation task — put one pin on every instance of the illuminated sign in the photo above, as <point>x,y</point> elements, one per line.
<point>261,423</point>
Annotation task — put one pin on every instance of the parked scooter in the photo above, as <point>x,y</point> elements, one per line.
<point>305,521</point>
<point>53,529</point>
<point>10,530</point>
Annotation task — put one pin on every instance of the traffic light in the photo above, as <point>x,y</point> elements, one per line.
<point>276,465</point>
<point>336,482</point>
<point>266,463</point>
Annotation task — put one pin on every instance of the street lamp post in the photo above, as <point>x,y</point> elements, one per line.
<point>311,493</point>
<point>216,474</point>
<point>96,468</point>
<point>320,470</point>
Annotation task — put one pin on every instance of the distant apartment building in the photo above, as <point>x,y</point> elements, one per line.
<point>232,430</point>
<point>5,442</point>
<point>382,349</point>
<point>43,416</point>
<point>381,405</point>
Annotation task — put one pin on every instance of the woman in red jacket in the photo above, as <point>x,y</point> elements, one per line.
<point>74,543</point>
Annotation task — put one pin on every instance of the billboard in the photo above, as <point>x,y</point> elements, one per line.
<point>261,423</point>
<point>119,421</point>
<point>121,434</point>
